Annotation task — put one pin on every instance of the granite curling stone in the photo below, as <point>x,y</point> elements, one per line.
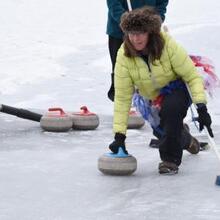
<point>119,164</point>
<point>135,120</point>
<point>56,120</point>
<point>84,120</point>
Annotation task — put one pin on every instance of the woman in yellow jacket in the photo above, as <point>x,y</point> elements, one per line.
<point>150,60</point>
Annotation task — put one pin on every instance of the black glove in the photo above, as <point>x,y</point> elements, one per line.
<point>204,118</point>
<point>118,142</point>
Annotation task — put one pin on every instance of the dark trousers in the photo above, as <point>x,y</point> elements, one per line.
<point>173,111</point>
<point>113,46</point>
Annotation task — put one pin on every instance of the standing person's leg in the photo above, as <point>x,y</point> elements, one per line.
<point>113,45</point>
<point>173,111</point>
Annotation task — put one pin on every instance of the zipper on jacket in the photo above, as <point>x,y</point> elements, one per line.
<point>146,60</point>
<point>153,80</point>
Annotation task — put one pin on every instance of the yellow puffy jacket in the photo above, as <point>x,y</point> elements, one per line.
<point>133,73</point>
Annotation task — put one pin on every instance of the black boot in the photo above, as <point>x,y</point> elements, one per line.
<point>111,92</point>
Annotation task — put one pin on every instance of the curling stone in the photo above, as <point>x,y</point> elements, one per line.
<point>84,120</point>
<point>56,120</point>
<point>135,120</point>
<point>119,164</point>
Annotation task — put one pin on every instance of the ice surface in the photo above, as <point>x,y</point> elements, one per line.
<point>54,53</point>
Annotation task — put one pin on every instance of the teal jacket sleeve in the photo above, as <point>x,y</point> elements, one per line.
<point>161,6</point>
<point>115,9</point>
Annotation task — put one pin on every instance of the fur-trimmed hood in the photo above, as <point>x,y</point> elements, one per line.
<point>145,19</point>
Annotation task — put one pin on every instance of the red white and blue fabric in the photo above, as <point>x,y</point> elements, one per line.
<point>207,70</point>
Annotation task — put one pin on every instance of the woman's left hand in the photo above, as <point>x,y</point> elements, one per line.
<point>204,118</point>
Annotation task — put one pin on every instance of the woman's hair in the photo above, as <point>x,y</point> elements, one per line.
<point>143,20</point>
<point>154,48</point>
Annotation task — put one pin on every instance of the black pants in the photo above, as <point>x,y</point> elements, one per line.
<point>173,111</point>
<point>113,46</point>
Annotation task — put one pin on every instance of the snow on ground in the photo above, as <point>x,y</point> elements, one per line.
<point>54,53</point>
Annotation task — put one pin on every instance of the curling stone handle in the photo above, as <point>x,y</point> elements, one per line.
<point>132,112</point>
<point>57,109</point>
<point>85,109</point>
<point>120,154</point>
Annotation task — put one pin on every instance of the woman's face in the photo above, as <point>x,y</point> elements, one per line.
<point>138,40</point>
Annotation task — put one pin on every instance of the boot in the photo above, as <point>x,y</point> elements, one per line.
<point>194,146</point>
<point>188,142</point>
<point>166,167</point>
<point>154,143</point>
<point>111,92</point>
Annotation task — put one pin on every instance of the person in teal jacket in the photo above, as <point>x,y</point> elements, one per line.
<point>115,9</point>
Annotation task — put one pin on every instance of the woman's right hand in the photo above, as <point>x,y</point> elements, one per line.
<point>118,142</point>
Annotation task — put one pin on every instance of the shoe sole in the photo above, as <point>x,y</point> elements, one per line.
<point>167,171</point>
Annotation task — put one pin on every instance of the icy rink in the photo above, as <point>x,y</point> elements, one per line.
<point>54,53</point>
<point>55,176</point>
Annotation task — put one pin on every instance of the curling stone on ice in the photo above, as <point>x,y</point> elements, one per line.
<point>120,164</point>
<point>135,120</point>
<point>56,120</point>
<point>84,120</point>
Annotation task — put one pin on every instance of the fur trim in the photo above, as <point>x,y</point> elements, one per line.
<point>144,19</point>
